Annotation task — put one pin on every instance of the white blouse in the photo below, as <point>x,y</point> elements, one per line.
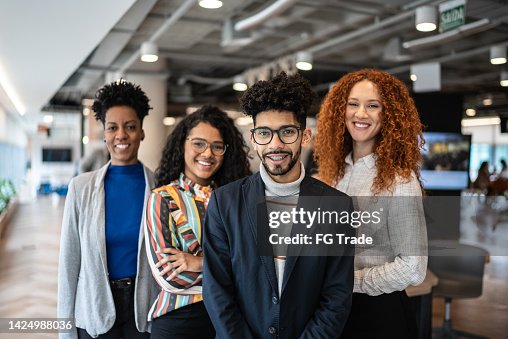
<point>402,261</point>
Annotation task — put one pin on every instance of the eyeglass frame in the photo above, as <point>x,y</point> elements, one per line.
<point>273,131</point>
<point>208,144</point>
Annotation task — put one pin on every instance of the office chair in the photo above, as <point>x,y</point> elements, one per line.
<point>460,276</point>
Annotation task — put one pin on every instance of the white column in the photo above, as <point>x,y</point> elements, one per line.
<point>155,88</point>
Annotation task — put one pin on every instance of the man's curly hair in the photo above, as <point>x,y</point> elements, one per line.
<point>282,93</point>
<point>236,163</point>
<point>120,93</point>
<point>398,143</point>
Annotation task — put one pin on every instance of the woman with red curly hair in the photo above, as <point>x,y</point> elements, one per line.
<point>368,143</point>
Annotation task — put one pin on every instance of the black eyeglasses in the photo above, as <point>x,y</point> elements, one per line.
<point>200,145</point>
<point>264,135</point>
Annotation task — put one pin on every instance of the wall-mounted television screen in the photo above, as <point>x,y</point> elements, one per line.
<point>446,161</point>
<point>57,155</point>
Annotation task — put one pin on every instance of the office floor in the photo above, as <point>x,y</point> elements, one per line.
<point>29,263</point>
<point>486,315</point>
<point>484,222</point>
<point>28,276</point>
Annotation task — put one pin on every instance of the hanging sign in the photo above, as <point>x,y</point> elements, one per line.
<point>452,14</point>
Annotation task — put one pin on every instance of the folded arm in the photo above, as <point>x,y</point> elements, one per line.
<point>407,234</point>
<point>174,270</point>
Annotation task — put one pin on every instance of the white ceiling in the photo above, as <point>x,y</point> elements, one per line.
<point>55,53</point>
<point>42,43</point>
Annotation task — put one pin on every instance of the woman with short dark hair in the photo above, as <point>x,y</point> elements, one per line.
<point>104,279</point>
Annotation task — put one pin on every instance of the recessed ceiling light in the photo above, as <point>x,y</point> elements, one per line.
<point>470,112</point>
<point>210,4</point>
<point>239,86</point>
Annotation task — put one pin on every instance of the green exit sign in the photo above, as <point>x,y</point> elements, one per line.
<point>452,14</point>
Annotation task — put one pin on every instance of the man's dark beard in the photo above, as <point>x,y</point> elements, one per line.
<point>279,170</point>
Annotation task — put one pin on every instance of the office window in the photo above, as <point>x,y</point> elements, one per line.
<point>479,154</point>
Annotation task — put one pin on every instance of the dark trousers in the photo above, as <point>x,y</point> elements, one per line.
<point>189,322</point>
<point>125,324</point>
<point>389,316</point>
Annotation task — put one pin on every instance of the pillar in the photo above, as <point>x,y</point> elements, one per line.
<point>155,87</point>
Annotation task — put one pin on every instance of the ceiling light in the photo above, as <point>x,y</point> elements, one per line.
<point>480,122</point>
<point>9,89</point>
<point>210,4</point>
<point>149,52</point>
<point>239,84</point>
<point>48,119</point>
<point>413,77</point>
<point>487,101</point>
<point>503,81</point>
<point>426,18</point>
<point>304,61</point>
<point>470,112</point>
<point>497,55</point>
<point>168,121</point>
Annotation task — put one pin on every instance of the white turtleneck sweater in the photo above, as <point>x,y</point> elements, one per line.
<point>290,192</point>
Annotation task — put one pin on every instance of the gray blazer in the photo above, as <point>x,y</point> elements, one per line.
<point>83,285</point>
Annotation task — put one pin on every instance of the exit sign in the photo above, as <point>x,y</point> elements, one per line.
<point>452,14</point>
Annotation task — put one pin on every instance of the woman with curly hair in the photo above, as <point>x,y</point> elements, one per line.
<point>368,143</point>
<point>104,280</point>
<point>204,151</point>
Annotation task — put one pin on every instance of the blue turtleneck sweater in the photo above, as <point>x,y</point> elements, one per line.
<point>125,192</point>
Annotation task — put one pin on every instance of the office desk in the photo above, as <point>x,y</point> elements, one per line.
<point>421,297</point>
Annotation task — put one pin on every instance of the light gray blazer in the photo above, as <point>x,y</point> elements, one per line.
<point>83,285</point>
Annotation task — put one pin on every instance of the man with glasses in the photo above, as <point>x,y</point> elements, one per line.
<point>254,292</point>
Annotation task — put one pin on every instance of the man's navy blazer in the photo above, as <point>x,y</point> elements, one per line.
<point>240,287</point>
